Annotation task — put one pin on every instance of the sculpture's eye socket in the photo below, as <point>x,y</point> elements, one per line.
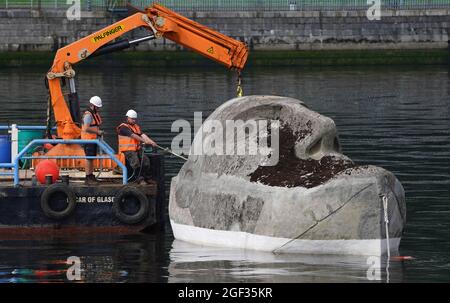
<point>316,147</point>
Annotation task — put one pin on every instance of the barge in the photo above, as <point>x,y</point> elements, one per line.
<point>116,204</point>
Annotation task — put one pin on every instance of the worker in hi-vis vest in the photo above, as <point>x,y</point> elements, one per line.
<point>131,138</point>
<point>91,131</point>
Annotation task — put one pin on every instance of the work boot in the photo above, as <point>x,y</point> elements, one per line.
<point>90,180</point>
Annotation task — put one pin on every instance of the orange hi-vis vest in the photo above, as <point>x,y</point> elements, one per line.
<point>96,122</point>
<point>128,143</point>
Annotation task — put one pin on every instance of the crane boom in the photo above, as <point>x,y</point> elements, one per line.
<point>199,38</point>
<point>161,22</point>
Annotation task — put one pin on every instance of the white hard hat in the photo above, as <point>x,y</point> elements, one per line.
<point>96,101</point>
<point>131,114</point>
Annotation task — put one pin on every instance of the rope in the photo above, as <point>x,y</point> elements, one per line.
<point>132,175</point>
<point>142,163</point>
<point>100,160</point>
<point>386,222</point>
<point>140,168</point>
<point>167,150</point>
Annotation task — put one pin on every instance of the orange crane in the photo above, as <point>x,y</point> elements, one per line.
<point>160,22</point>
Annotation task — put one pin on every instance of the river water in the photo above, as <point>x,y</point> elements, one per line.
<point>397,118</point>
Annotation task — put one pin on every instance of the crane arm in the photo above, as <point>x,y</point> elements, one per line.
<point>161,22</point>
<point>199,38</point>
<point>62,68</point>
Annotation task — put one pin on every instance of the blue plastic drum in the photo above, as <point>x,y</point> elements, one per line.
<point>5,149</point>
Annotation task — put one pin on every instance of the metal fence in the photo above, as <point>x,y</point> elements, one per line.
<point>228,5</point>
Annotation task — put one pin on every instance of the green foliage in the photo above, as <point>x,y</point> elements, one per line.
<point>163,59</point>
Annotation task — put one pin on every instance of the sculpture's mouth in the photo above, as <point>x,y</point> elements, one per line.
<point>291,171</point>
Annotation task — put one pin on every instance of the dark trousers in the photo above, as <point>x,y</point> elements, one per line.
<point>134,160</point>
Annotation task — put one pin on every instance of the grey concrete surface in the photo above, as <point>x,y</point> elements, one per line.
<point>29,30</point>
<point>215,191</point>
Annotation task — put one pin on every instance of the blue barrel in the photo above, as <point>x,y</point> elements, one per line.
<point>5,149</point>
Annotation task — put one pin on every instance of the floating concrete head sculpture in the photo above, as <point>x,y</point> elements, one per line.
<point>297,194</point>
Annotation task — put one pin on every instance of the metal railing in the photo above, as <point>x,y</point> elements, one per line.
<point>104,147</point>
<point>22,155</point>
<point>228,5</point>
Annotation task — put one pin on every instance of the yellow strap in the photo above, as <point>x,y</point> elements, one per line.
<point>239,91</point>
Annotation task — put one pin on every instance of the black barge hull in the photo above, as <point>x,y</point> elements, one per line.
<point>95,210</point>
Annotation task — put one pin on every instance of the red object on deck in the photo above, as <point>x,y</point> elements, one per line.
<point>401,258</point>
<point>47,167</point>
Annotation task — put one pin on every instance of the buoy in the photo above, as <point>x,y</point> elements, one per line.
<point>401,258</point>
<point>54,272</point>
<point>44,168</point>
<point>56,262</point>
